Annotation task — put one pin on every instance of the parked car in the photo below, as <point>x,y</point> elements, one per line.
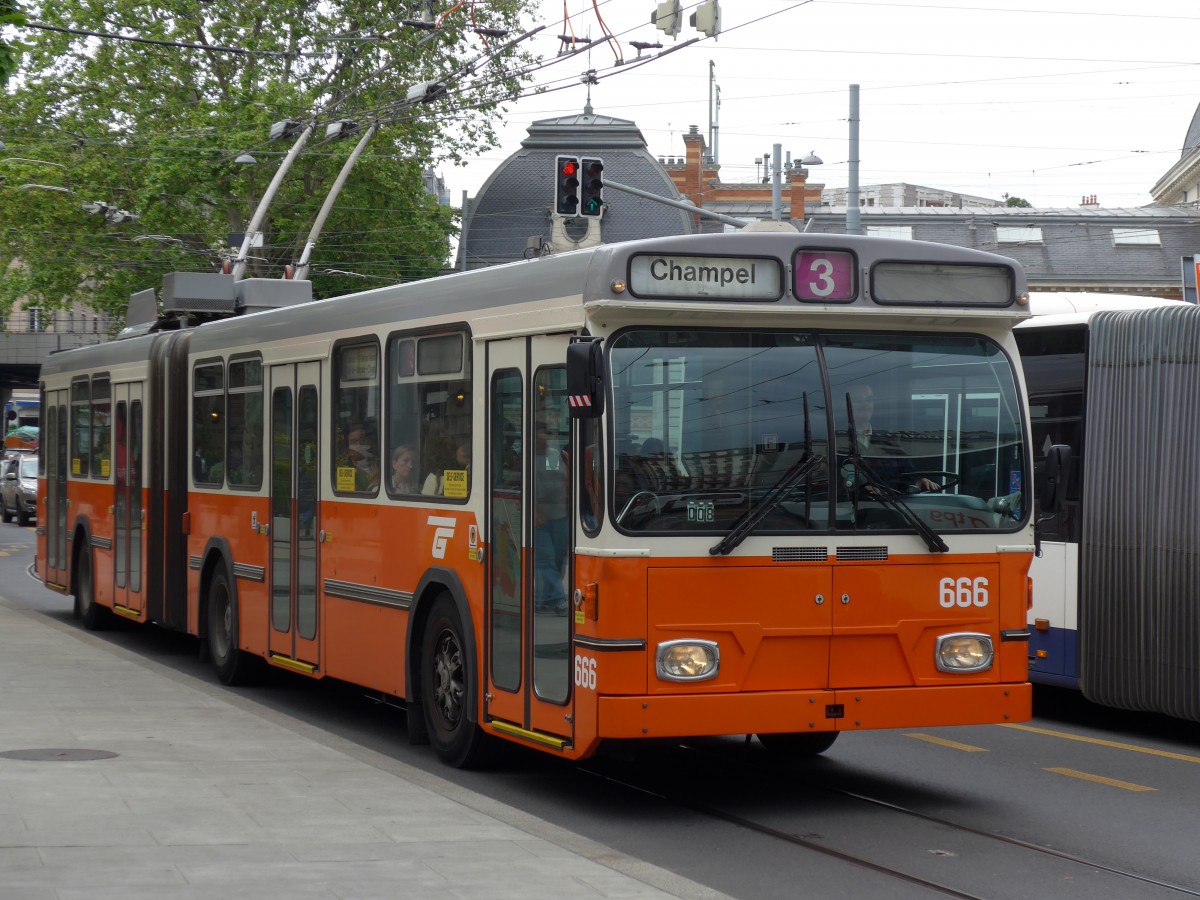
<point>18,488</point>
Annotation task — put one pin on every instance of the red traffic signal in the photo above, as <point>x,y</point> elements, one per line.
<point>566,185</point>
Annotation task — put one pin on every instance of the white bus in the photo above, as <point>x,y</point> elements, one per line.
<point>1115,595</point>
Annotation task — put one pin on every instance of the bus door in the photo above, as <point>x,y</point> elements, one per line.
<point>129,549</point>
<point>527,651</point>
<point>294,525</point>
<point>53,514</point>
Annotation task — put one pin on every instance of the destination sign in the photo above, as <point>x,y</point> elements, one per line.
<point>707,277</point>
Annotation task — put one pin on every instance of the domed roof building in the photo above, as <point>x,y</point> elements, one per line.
<point>512,217</point>
<point>1181,183</point>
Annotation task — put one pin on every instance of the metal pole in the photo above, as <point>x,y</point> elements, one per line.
<point>462,235</point>
<point>678,204</point>
<point>853,216</point>
<point>711,77</point>
<point>314,233</point>
<point>239,264</point>
<point>777,184</point>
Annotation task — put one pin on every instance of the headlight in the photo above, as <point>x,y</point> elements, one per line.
<point>964,653</point>
<point>688,660</point>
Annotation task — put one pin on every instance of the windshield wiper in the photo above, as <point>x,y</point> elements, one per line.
<point>884,493</point>
<point>749,520</point>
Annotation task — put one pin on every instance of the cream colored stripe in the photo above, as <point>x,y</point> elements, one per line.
<point>1182,757</point>
<point>1100,779</point>
<point>942,742</point>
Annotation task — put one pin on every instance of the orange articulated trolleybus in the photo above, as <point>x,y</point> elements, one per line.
<point>754,483</point>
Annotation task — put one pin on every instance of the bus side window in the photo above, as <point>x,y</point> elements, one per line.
<point>208,423</point>
<point>429,415</point>
<point>81,417</point>
<point>357,467</point>
<point>245,432</point>
<point>101,438</point>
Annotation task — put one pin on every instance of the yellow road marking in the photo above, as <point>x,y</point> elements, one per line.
<point>1100,779</point>
<point>942,742</point>
<point>1182,757</point>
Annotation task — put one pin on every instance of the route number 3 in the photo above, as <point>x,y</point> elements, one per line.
<point>963,592</point>
<point>585,672</point>
<point>824,275</point>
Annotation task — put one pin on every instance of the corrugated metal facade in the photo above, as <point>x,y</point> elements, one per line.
<point>1140,623</point>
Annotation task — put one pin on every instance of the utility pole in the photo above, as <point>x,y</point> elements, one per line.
<point>853,216</point>
<point>777,183</point>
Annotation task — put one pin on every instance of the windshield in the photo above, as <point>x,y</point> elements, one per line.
<point>29,467</point>
<point>708,423</point>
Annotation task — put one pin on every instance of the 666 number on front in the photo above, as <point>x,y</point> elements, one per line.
<point>585,672</point>
<point>963,592</point>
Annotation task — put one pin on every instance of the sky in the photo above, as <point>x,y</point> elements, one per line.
<point>1049,101</point>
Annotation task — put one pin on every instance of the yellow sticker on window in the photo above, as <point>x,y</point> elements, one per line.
<point>75,466</point>
<point>455,482</point>
<point>104,469</point>
<point>345,478</point>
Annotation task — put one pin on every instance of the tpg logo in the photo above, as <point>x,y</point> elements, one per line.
<point>443,531</point>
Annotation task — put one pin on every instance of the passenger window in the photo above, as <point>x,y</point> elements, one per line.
<point>245,431</point>
<point>356,464</point>
<point>101,437</point>
<point>429,416</point>
<point>208,424</point>
<point>81,417</point>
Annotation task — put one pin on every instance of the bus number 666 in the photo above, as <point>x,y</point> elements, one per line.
<point>585,672</point>
<point>964,592</point>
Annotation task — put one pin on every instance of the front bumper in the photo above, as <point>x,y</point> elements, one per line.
<point>692,715</point>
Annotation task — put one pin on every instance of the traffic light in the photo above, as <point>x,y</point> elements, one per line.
<point>566,180</point>
<point>592,192</point>
<point>707,18</point>
<point>668,17</point>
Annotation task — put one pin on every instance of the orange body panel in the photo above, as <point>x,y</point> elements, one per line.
<point>796,637</point>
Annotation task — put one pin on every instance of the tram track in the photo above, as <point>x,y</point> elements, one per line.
<point>818,844</point>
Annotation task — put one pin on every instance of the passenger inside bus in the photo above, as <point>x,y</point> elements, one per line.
<point>401,480</point>
<point>362,447</point>
<point>885,457</point>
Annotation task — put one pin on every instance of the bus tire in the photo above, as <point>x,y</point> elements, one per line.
<point>448,688</point>
<point>801,744</point>
<point>93,615</point>
<point>231,664</point>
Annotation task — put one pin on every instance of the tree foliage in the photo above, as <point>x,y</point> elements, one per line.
<point>154,129</point>
<point>1019,202</point>
<point>10,14</point>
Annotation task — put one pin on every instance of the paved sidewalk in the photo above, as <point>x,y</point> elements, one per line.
<point>209,795</point>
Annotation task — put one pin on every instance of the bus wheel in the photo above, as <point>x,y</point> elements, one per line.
<point>94,615</point>
<point>803,744</point>
<point>231,663</point>
<point>448,688</point>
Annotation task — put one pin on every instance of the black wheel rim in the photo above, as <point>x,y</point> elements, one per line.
<point>448,679</point>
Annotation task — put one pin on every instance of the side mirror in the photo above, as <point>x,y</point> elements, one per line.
<point>1053,488</point>
<point>585,378</point>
